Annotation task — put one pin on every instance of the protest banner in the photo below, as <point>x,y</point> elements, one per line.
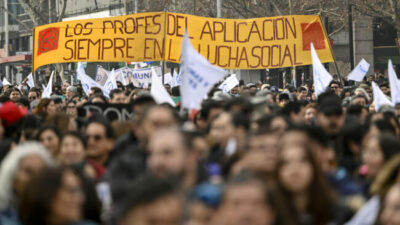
<point>101,75</point>
<point>270,42</point>
<point>138,77</point>
<point>110,111</point>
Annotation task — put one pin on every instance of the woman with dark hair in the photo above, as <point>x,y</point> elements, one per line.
<point>45,108</point>
<point>50,137</point>
<point>304,190</point>
<point>54,197</point>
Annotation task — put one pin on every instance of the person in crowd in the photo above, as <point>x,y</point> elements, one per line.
<point>71,92</point>
<point>310,115</point>
<point>335,88</point>
<point>171,155</point>
<point>33,94</point>
<point>98,98</point>
<point>376,151</point>
<point>117,96</point>
<point>14,94</point>
<point>72,109</point>
<point>55,196</point>
<point>100,141</point>
<point>390,214</point>
<point>45,108</point>
<point>16,170</point>
<point>151,200</point>
<point>246,200</point>
<point>50,137</point>
<point>302,93</point>
<point>304,189</point>
<point>262,155</point>
<point>72,148</point>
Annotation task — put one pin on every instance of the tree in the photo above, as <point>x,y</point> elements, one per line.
<point>387,10</point>
<point>334,10</point>
<point>41,12</point>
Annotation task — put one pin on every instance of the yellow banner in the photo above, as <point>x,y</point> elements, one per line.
<point>271,42</point>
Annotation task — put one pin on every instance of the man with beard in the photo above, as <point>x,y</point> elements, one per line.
<point>170,155</point>
<point>331,118</point>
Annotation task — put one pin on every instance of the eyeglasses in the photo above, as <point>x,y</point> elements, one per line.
<point>33,98</point>
<point>96,137</point>
<point>334,87</point>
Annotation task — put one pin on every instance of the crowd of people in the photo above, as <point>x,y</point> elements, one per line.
<point>258,155</point>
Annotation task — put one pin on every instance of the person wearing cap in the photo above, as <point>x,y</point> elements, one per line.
<point>330,114</point>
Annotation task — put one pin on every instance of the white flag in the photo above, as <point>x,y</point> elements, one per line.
<point>88,82</point>
<point>359,72</point>
<point>177,79</point>
<point>321,76</point>
<point>158,91</point>
<point>229,83</point>
<point>111,82</point>
<point>198,75</point>
<point>30,81</point>
<point>167,78</point>
<point>379,97</point>
<point>5,81</point>
<point>48,90</point>
<point>394,84</point>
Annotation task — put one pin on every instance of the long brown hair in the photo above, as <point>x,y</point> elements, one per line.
<point>320,197</point>
<point>41,108</point>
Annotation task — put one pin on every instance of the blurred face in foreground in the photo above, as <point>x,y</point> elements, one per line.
<point>295,172</point>
<point>28,167</point>
<point>391,207</point>
<point>99,145</point>
<point>263,153</point>
<point>166,210</point>
<point>157,118</point>
<point>331,123</point>
<point>222,129</point>
<point>167,154</point>
<point>373,157</point>
<point>71,150</point>
<point>245,204</point>
<point>68,203</point>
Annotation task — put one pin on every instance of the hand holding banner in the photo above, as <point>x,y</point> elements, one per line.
<point>198,75</point>
<point>321,76</point>
<point>359,72</point>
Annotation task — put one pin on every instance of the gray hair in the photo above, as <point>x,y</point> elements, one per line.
<point>9,167</point>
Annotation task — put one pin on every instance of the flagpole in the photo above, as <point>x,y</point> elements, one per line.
<point>330,48</point>
<point>165,41</point>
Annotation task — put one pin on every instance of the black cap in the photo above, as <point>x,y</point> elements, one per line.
<point>329,104</point>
